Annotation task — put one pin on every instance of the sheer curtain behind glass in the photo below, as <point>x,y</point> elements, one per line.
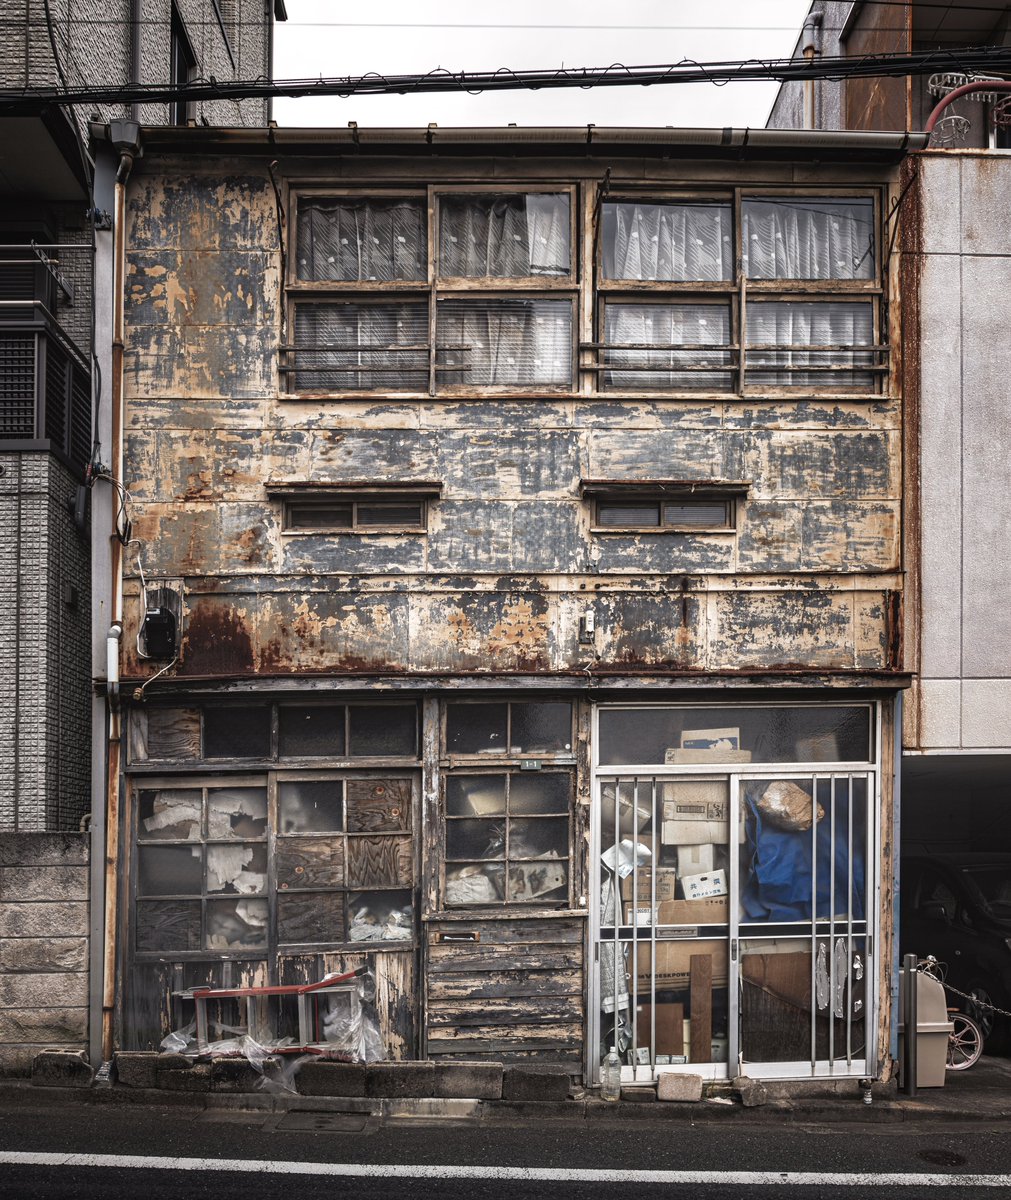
<point>802,323</point>
<point>348,240</point>
<point>790,238</point>
<point>667,325</point>
<point>504,342</point>
<point>346,346</point>
<point>667,241</point>
<point>504,236</point>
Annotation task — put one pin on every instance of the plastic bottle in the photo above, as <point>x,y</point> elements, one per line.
<point>610,1076</point>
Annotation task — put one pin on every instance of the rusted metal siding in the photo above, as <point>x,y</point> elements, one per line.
<point>879,103</point>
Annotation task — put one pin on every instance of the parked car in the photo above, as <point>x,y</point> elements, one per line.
<point>957,907</point>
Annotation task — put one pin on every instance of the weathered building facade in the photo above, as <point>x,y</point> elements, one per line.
<point>516,515</point>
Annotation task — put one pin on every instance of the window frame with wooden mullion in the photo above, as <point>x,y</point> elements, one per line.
<point>861,374</point>
<point>511,308</point>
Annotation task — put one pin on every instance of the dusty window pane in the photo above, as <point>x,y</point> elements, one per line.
<point>384,729</point>
<point>311,917</point>
<point>239,812</point>
<point>169,814</point>
<point>236,924</point>
<point>666,241</point>
<point>236,732</point>
<point>476,728</point>
<point>352,238</point>
<point>310,806</point>
<point>167,925</point>
<point>301,515</point>
<point>475,839</point>
<point>792,238</point>
<point>536,793</point>
<point>386,516</point>
<point>538,881</point>
<point>474,883</point>
<point>673,329</point>
<point>540,727</point>
<point>311,730</point>
<point>628,515</point>
<point>503,236</point>
<point>345,346</point>
<point>504,343</point>
<point>538,839</point>
<point>170,870</point>
<point>380,917</point>
<point>475,795</point>
<point>238,870</point>
<point>797,325</point>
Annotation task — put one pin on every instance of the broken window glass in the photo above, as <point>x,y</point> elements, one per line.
<point>170,814</point>
<point>380,917</point>
<point>239,812</point>
<point>310,806</point>
<point>237,869</point>
<point>311,730</point>
<point>236,732</point>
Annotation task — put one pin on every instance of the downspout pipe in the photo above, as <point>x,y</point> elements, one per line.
<point>989,85</point>
<point>810,45</point>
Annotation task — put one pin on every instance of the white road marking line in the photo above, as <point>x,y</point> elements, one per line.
<point>532,1174</point>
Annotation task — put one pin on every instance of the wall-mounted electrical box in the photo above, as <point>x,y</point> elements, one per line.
<point>160,635</point>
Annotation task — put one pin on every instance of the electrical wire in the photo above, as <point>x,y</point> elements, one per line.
<point>965,60</point>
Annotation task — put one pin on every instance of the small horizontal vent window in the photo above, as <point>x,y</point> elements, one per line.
<point>353,516</point>
<point>648,512</point>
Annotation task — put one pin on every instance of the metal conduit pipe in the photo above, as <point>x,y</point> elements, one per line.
<point>989,85</point>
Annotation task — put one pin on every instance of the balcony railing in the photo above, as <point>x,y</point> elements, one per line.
<point>45,388</point>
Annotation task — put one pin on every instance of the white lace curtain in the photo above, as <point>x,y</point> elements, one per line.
<point>789,238</point>
<point>668,325</point>
<point>667,242</point>
<point>504,236</point>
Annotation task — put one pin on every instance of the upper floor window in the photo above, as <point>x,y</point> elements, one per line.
<point>725,296</point>
<point>433,294</point>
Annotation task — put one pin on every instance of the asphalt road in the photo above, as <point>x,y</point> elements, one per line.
<point>314,1156</point>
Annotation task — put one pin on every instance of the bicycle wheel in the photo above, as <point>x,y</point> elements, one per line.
<point>965,1042</point>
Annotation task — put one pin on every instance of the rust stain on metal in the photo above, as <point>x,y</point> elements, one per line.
<point>216,641</point>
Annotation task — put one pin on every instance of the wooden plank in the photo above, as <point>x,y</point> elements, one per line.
<point>561,1056</point>
<point>378,805</point>
<point>457,958</point>
<point>565,931</point>
<point>309,862</point>
<point>167,926</point>
<point>380,862</point>
<point>396,1000</point>
<point>526,1010</point>
<point>701,1004</point>
<point>310,917</point>
<point>516,984</point>
<point>529,1035</point>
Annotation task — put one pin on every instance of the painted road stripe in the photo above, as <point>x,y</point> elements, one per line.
<point>505,1174</point>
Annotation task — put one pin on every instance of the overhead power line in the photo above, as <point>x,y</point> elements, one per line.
<point>966,60</point>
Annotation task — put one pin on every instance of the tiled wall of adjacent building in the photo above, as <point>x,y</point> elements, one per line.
<point>43,945</point>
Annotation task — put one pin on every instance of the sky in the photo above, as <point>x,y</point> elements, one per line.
<point>335,38</point>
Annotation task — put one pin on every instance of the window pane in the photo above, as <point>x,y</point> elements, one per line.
<point>795,238</point>
<point>504,343</point>
<point>390,515</point>
<point>237,869</point>
<point>236,924</point>
<point>170,870</point>
<point>347,347</point>
<point>618,516</point>
<point>533,793</point>
<point>317,516</point>
<point>667,241</point>
<point>475,839</point>
<point>668,327</point>
<point>380,917</point>
<point>231,732</point>
<point>540,727</point>
<point>168,925</point>
<point>539,839</point>
<point>697,514</point>
<point>475,884</point>
<point>239,812</point>
<point>311,730</point>
<point>475,795</point>
<point>170,814</point>
<point>310,806</point>
<point>538,881</point>
<point>361,239</point>
<point>384,729</point>
<point>504,237</point>
<point>477,728</point>
<point>795,325</point>
<point>774,734</point>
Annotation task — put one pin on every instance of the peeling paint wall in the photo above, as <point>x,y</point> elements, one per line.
<point>508,565</point>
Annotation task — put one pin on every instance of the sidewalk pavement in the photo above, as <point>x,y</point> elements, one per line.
<point>981,1094</point>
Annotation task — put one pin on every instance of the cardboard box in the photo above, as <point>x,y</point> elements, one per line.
<point>686,755</point>
<point>727,738</point>
<point>666,883</point>
<point>669,1027</point>
<point>641,914</point>
<point>785,976</point>
<point>701,887</point>
<point>714,910</point>
<point>672,968</point>
<point>696,813</point>
<point>696,860</point>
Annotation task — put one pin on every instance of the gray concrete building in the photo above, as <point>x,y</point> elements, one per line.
<point>51,383</point>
